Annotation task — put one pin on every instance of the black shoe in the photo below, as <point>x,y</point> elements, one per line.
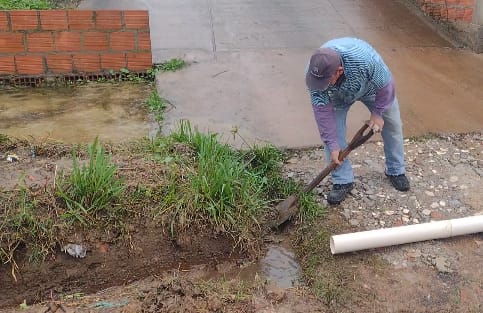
<point>338,193</point>
<point>400,182</point>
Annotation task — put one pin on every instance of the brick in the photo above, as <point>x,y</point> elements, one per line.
<point>468,15</point>
<point>81,20</point>
<point>141,61</point>
<point>136,19</point>
<point>40,42</point>
<point>122,41</point>
<point>11,42</point>
<point>459,14</point>
<point>108,20</point>
<point>144,41</point>
<point>53,20</point>
<point>451,14</point>
<point>7,65</point>
<point>29,64</point>
<point>67,41</point>
<point>467,3</point>
<point>24,20</point>
<point>59,63</point>
<point>113,61</point>
<point>94,41</point>
<point>87,63</point>
<point>4,21</point>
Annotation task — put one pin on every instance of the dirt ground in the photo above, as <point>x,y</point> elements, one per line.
<point>202,273</point>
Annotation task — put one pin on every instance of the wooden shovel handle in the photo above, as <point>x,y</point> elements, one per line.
<point>358,139</point>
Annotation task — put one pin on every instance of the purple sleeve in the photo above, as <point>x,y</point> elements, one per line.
<point>384,98</point>
<point>325,118</point>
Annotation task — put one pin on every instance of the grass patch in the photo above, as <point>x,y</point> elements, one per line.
<point>91,188</point>
<point>37,221</point>
<point>5,142</point>
<point>198,183</point>
<point>3,139</point>
<point>156,105</point>
<point>321,270</point>
<point>209,183</point>
<point>309,207</point>
<point>172,65</point>
<point>24,223</point>
<point>25,5</point>
<point>218,189</point>
<point>423,138</point>
<point>332,277</point>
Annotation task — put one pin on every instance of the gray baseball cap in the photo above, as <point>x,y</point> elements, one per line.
<point>323,64</point>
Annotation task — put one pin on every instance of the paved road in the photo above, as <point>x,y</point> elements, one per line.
<point>248,58</point>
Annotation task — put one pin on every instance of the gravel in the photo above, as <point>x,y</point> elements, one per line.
<point>445,175</point>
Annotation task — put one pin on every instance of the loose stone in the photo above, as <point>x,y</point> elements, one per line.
<point>453,179</point>
<point>427,212</point>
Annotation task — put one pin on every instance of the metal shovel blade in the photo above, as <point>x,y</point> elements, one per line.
<point>287,208</point>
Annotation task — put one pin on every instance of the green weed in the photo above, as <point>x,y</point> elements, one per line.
<point>221,184</point>
<point>3,138</point>
<point>423,138</point>
<point>172,65</point>
<point>309,207</point>
<point>324,273</point>
<point>157,105</point>
<point>208,182</point>
<point>24,224</point>
<point>127,75</point>
<point>25,5</point>
<point>5,142</point>
<point>90,188</point>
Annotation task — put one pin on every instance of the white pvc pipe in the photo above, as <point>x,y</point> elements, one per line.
<point>405,234</point>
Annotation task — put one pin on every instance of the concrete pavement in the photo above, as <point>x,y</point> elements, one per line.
<point>247,60</point>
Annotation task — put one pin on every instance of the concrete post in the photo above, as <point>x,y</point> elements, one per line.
<point>478,14</point>
<point>478,20</point>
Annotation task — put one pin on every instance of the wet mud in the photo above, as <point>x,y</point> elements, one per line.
<point>148,252</point>
<point>77,114</point>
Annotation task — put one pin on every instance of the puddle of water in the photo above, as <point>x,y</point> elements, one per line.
<point>77,114</point>
<point>280,267</point>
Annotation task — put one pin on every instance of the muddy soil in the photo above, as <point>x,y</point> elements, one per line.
<point>434,276</point>
<point>144,247</point>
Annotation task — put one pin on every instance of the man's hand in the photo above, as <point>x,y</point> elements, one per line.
<point>376,123</point>
<point>334,156</point>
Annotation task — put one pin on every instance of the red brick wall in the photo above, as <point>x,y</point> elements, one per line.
<point>73,42</point>
<point>452,10</point>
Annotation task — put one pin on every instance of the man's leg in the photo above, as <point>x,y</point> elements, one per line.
<point>342,176</point>
<point>392,136</point>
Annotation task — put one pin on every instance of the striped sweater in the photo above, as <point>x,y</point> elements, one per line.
<point>365,76</point>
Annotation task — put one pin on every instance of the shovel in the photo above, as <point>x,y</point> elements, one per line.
<point>287,208</point>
